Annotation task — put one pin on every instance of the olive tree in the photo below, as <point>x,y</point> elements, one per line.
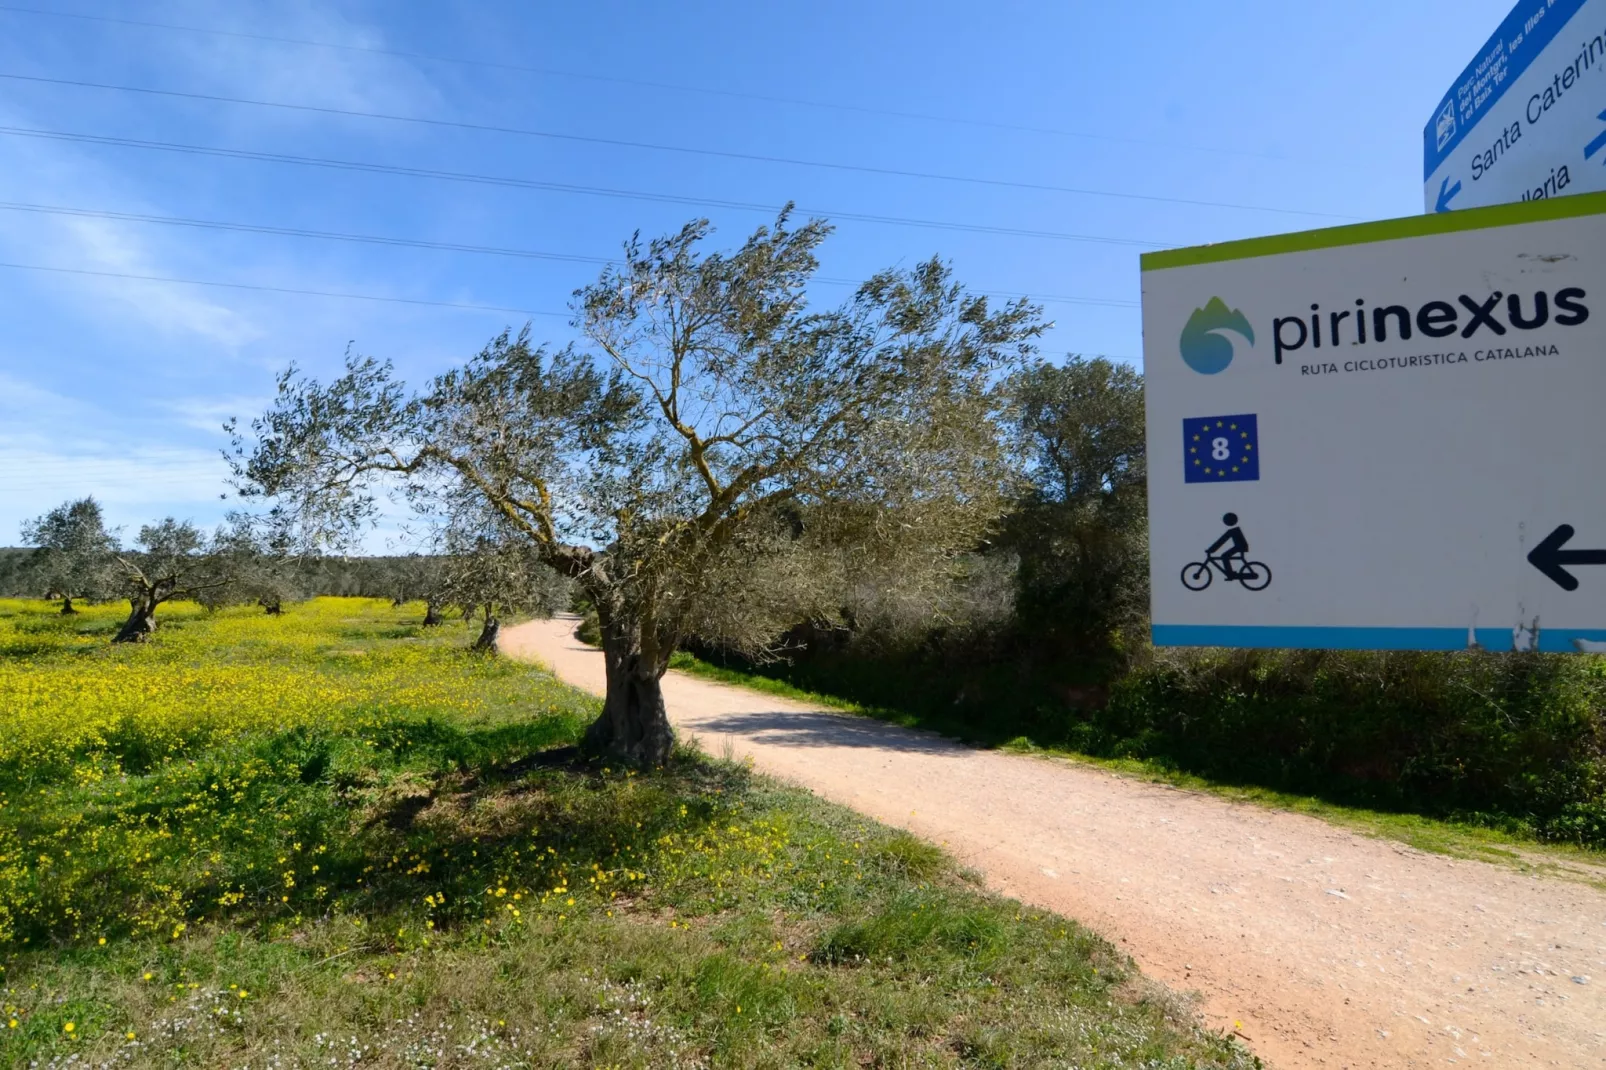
<point>270,580</point>
<point>419,577</point>
<point>1081,530</point>
<point>490,572</point>
<point>172,560</point>
<point>716,457</point>
<point>259,566</point>
<point>74,552</point>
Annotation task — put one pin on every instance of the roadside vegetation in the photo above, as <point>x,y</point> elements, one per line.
<point>331,836</point>
<point>1511,748</point>
<point>1487,837</point>
<point>1040,640</point>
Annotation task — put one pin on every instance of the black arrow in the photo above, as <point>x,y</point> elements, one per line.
<point>1549,557</point>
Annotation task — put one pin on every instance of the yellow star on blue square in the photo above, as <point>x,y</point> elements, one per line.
<point>1221,449</point>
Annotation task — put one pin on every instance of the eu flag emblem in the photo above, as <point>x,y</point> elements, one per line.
<point>1221,449</point>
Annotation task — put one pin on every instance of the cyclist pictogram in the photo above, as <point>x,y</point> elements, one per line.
<point>1229,556</point>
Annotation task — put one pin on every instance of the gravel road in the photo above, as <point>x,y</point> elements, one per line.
<point>1320,947</point>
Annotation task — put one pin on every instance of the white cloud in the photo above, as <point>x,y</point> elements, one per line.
<point>33,172</point>
<point>21,400</point>
<point>209,414</point>
<point>54,447</point>
<point>136,486</point>
<point>106,245</point>
<point>163,474</point>
<point>326,77</point>
<point>73,175</point>
<point>145,441</point>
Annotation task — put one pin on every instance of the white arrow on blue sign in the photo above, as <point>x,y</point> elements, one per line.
<point>1525,120</point>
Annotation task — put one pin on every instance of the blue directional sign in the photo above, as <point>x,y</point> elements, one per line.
<point>1523,122</point>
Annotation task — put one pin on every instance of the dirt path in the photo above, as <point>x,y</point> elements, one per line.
<point>1331,949</point>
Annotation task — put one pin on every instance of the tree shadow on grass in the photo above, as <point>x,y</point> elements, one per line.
<point>546,819</point>
<point>376,822</point>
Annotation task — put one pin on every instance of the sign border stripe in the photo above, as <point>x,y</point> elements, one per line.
<point>1296,637</point>
<point>1499,215</point>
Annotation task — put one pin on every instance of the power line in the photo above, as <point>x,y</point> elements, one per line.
<point>587,139</point>
<point>395,300</point>
<point>297,232</point>
<point>103,467</point>
<point>281,290</point>
<point>98,470</point>
<point>644,84</point>
<point>145,479</point>
<point>170,474</point>
<point>133,478</point>
<point>70,472</point>
<point>172,460</point>
<point>163,487</point>
<point>371,239</point>
<point>554,187</point>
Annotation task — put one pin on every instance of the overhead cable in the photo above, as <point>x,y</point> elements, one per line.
<point>457,247</point>
<point>638,83</point>
<point>281,289</point>
<point>554,187</point>
<point>590,139</point>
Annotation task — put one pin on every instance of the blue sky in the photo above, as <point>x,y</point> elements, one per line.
<point>1263,117</point>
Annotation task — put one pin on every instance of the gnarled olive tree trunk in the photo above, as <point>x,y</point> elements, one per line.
<point>432,614</point>
<point>66,605</point>
<point>634,725</point>
<point>490,633</point>
<point>141,622</point>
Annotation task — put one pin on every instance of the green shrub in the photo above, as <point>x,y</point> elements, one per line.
<point>1494,737</point>
<point>1516,741</point>
<point>589,631</point>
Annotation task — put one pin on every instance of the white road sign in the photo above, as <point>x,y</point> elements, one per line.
<point>1384,436</point>
<point>1527,118</point>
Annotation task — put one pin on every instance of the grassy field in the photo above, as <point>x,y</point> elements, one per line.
<point>1510,845</point>
<point>331,839</point>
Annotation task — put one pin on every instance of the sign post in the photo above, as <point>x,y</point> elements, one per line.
<point>1383,436</point>
<point>1527,118</point>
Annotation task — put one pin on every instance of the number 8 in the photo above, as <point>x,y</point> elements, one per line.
<point>1219,450</point>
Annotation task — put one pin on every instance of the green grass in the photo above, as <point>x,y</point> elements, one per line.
<point>1512,846</point>
<point>401,863</point>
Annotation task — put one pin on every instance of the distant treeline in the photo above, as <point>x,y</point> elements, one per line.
<point>352,577</point>
<point>14,583</point>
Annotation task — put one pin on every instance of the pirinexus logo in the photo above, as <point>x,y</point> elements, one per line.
<point>1205,348</point>
<point>1498,314</point>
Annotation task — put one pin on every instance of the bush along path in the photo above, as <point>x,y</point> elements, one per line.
<point>1514,744</point>
<point>1320,947</point>
<point>334,838</point>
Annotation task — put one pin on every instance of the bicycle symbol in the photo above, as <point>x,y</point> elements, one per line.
<point>1254,575</point>
<point>1229,555</point>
